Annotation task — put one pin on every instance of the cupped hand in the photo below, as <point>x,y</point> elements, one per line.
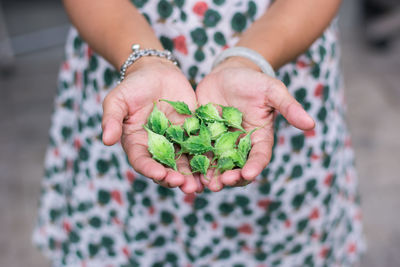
<point>125,111</point>
<point>238,82</point>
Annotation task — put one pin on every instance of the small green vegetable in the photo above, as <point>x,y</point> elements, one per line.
<point>232,117</point>
<point>157,121</point>
<point>216,129</point>
<point>179,106</point>
<point>196,145</point>
<point>225,142</point>
<point>208,113</point>
<point>224,164</point>
<point>161,149</point>
<point>244,145</point>
<point>200,163</point>
<point>175,133</point>
<point>191,125</point>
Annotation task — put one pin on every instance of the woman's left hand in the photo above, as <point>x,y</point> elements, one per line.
<point>239,83</point>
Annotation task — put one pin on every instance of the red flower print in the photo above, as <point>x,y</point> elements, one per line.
<point>288,223</point>
<point>324,251</point>
<point>67,226</point>
<point>214,225</point>
<point>301,64</point>
<point>152,210</point>
<point>130,176</point>
<point>318,91</point>
<point>189,198</point>
<point>328,179</point>
<point>77,143</point>
<point>314,214</point>
<point>126,252</point>
<point>116,195</point>
<point>180,44</point>
<point>309,133</point>
<point>200,8</point>
<point>245,229</point>
<point>352,247</point>
<point>264,203</point>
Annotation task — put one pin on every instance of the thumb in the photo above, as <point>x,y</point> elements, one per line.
<point>279,98</point>
<point>114,112</point>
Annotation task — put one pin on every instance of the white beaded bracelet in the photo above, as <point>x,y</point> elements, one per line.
<point>138,53</point>
<point>248,53</point>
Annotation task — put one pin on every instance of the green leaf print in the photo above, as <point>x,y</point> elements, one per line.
<point>199,36</point>
<point>219,38</point>
<point>139,3</point>
<point>211,18</point>
<point>164,9</point>
<point>238,22</point>
<point>167,43</point>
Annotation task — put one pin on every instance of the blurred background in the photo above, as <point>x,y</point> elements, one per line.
<point>32,34</point>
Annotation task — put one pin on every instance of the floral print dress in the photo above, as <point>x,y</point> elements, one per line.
<point>303,210</point>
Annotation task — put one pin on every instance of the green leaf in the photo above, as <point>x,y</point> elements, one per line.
<point>232,117</point>
<point>179,106</point>
<point>175,133</point>
<point>208,113</point>
<point>244,145</point>
<point>200,163</point>
<point>235,156</point>
<point>225,164</point>
<point>196,145</point>
<point>225,142</point>
<point>191,125</point>
<point>216,129</point>
<point>162,150</point>
<point>157,121</point>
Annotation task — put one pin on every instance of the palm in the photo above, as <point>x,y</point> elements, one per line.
<point>256,96</point>
<point>135,99</point>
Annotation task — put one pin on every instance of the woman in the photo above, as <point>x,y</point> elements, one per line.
<point>302,210</point>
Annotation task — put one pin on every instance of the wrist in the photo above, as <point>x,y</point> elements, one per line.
<point>138,54</point>
<point>237,62</point>
<point>150,62</point>
<point>246,57</point>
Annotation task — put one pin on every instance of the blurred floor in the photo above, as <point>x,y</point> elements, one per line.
<point>373,93</point>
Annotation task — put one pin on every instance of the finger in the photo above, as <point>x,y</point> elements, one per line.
<point>140,159</point>
<point>231,177</point>
<point>215,184</point>
<point>279,98</point>
<point>174,178</point>
<point>200,186</point>
<point>260,155</point>
<point>189,185</point>
<point>114,112</point>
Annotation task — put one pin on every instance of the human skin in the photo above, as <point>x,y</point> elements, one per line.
<point>284,31</point>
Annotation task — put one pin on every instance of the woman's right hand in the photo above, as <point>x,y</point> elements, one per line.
<point>125,111</point>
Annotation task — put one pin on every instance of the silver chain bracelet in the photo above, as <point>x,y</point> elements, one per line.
<point>138,53</point>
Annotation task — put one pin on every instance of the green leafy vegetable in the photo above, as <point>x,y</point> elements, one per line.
<point>224,164</point>
<point>196,145</point>
<point>191,125</point>
<point>175,133</point>
<point>157,121</point>
<point>244,145</point>
<point>216,129</point>
<point>200,163</point>
<point>232,117</point>
<point>161,149</point>
<point>226,141</point>
<point>179,107</point>
<point>208,113</point>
